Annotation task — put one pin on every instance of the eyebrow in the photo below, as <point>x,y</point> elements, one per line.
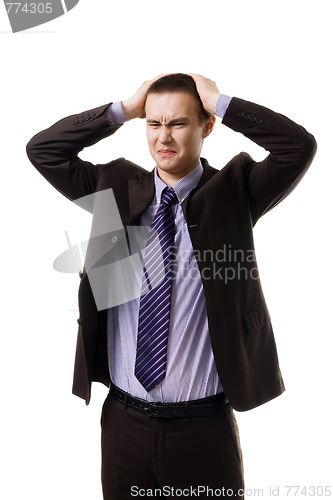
<point>171,122</point>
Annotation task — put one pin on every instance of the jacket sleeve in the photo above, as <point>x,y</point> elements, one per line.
<point>54,151</point>
<point>291,151</point>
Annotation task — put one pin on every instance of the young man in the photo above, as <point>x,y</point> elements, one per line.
<point>199,341</point>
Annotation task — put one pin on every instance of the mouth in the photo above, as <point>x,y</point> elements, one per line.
<point>166,152</point>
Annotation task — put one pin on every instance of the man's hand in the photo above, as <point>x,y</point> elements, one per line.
<point>208,92</point>
<point>134,107</point>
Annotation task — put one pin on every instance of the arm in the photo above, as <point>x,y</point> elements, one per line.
<point>291,151</point>
<point>54,151</point>
<point>291,148</point>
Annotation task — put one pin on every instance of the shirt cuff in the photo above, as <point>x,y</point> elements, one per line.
<point>222,105</point>
<point>114,114</point>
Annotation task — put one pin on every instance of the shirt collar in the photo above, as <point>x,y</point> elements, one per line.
<point>183,187</point>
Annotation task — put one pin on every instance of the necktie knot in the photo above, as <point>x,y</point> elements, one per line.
<point>168,197</point>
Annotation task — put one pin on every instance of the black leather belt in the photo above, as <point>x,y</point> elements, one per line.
<point>194,408</point>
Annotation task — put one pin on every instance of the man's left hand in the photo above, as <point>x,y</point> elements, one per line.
<point>208,92</point>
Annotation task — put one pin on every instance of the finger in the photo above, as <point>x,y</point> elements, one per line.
<point>195,76</point>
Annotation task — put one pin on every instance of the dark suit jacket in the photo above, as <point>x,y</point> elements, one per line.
<point>220,213</point>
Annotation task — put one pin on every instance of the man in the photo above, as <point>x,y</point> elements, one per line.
<point>198,342</point>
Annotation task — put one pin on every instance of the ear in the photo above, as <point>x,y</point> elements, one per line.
<point>209,125</point>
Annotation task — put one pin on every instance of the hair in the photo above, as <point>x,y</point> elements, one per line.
<point>179,82</point>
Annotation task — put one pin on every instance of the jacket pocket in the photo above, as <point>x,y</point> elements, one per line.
<point>256,317</point>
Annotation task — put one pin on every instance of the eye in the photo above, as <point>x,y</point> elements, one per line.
<point>178,124</point>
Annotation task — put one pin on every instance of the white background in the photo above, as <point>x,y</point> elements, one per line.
<point>276,54</point>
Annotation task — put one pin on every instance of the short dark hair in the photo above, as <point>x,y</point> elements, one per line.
<point>179,82</point>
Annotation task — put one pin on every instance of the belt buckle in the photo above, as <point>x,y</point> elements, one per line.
<point>149,409</point>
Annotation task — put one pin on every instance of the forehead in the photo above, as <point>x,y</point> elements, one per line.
<point>171,105</point>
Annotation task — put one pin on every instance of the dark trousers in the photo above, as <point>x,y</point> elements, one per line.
<point>175,457</point>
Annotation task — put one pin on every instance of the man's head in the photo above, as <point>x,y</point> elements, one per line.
<point>177,124</point>
<point>179,82</point>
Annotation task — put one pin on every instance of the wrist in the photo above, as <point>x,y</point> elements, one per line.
<point>126,109</point>
<point>222,105</point>
<point>211,103</point>
<point>129,111</point>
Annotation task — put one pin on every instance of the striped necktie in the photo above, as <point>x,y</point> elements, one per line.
<point>154,312</point>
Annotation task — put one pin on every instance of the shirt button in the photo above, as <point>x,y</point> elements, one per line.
<point>114,239</point>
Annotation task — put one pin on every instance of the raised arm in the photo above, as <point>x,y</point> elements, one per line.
<point>54,151</point>
<point>291,148</point>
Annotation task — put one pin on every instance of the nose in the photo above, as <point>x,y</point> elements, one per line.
<point>165,134</point>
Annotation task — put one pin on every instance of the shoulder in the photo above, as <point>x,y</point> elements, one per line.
<point>119,173</point>
<point>235,170</point>
<point>123,168</point>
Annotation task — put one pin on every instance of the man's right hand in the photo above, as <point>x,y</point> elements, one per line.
<point>134,107</point>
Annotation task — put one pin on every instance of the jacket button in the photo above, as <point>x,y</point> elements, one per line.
<point>92,115</point>
<point>76,122</point>
<point>253,119</point>
<point>259,122</point>
<point>246,117</point>
<point>240,114</point>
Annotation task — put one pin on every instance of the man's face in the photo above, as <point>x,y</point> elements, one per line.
<point>175,134</point>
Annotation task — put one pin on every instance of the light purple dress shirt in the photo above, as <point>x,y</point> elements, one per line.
<point>191,371</point>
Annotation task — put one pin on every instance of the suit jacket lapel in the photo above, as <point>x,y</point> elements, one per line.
<point>141,193</point>
<point>207,174</point>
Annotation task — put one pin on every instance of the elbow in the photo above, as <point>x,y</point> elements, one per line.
<point>34,151</point>
<point>309,149</point>
<point>31,150</point>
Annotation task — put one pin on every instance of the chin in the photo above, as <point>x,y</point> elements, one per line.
<point>169,169</point>
<point>166,164</point>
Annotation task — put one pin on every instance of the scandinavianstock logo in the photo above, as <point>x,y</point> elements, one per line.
<point>113,256</point>
<point>113,259</point>
<point>25,15</point>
